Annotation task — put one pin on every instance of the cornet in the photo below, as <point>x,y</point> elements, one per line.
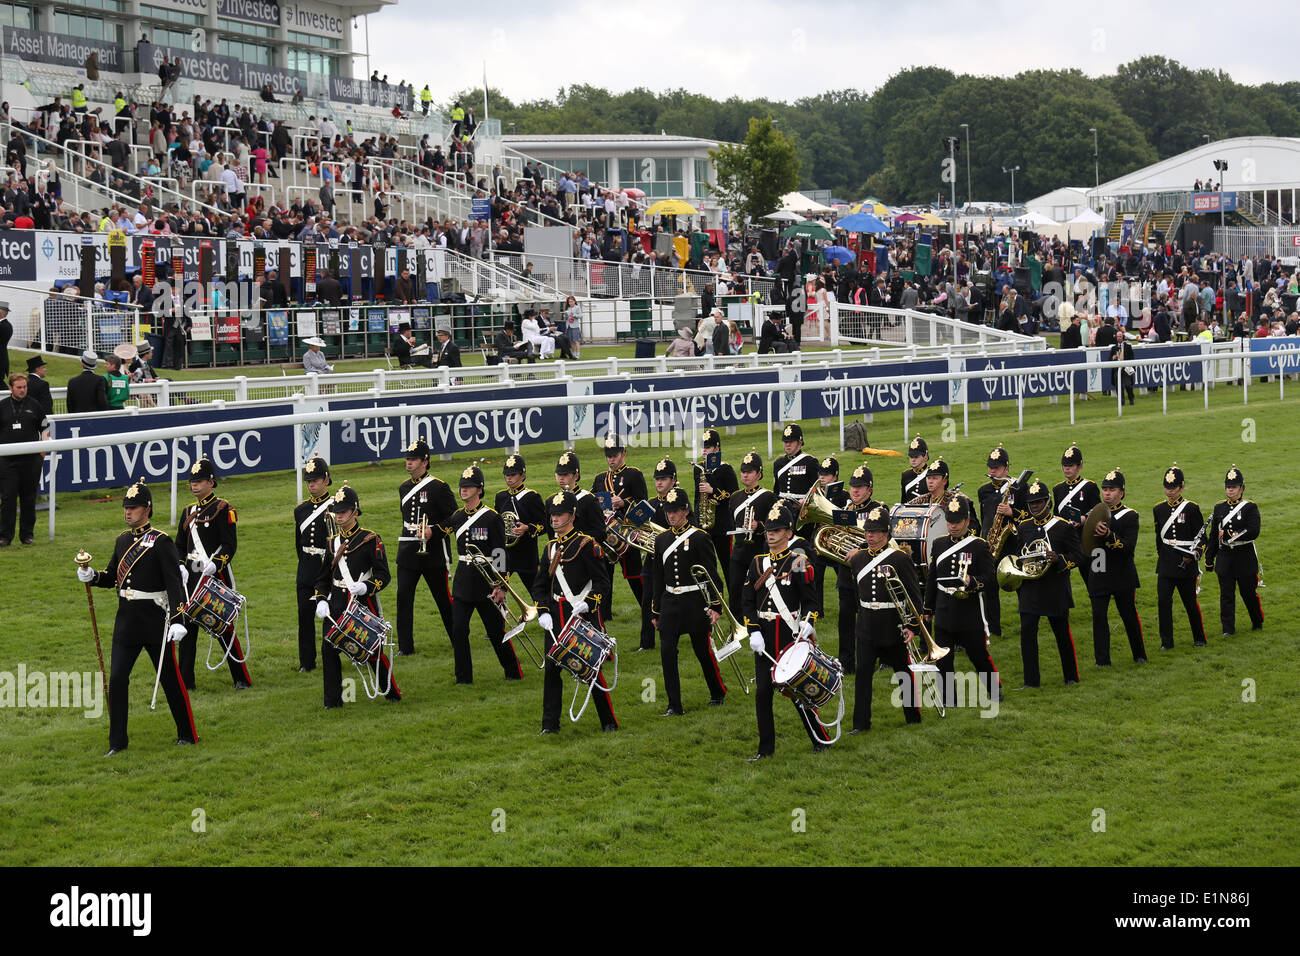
<point>420,528</point>
<point>516,622</point>
<point>735,631</point>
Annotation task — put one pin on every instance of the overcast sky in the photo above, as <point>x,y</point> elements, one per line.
<point>787,50</point>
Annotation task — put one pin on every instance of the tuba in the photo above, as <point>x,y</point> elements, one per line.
<point>516,620</point>
<point>816,508</point>
<point>1030,565</point>
<point>730,632</point>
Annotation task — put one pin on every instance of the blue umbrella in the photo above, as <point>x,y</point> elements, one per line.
<point>839,254</point>
<point>861,222</point>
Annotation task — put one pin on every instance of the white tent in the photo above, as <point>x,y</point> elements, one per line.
<point>783,215</point>
<point>1034,220</point>
<point>1088,218</point>
<point>798,202</point>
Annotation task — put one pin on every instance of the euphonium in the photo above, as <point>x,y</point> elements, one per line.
<point>835,542</point>
<point>816,508</point>
<point>643,537</point>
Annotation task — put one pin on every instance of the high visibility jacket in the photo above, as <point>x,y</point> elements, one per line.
<point>426,96</point>
<point>118,103</point>
<point>457,114</point>
<point>78,99</point>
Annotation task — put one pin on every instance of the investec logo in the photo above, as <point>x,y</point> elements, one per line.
<point>76,909</point>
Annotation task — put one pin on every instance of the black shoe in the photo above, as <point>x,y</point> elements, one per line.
<point>859,730</point>
<point>1139,660</point>
<point>464,682</point>
<point>29,540</point>
<point>1257,627</point>
<point>240,685</point>
<point>405,653</point>
<point>4,543</point>
<point>333,706</point>
<point>548,730</point>
<point>717,701</point>
<point>190,688</point>
<point>1029,687</point>
<point>111,750</point>
<point>609,728</point>
<point>1166,647</point>
<point>673,712</point>
<point>1229,633</point>
<point>818,748</point>
<point>1103,664</point>
<point>183,742</point>
<point>514,677</point>
<point>393,696</point>
<point>1200,643</point>
<point>306,670</point>
<point>640,649</point>
<point>757,757</point>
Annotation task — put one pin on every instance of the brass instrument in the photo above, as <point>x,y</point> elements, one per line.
<point>616,539</point>
<point>510,519</point>
<point>816,508</point>
<point>708,514</point>
<point>746,519</point>
<point>1000,529</point>
<point>516,621</point>
<point>836,542</point>
<point>1030,565</point>
<point>910,618</point>
<point>1100,514</point>
<point>929,499</point>
<point>642,538</point>
<point>736,633</point>
<point>421,527</point>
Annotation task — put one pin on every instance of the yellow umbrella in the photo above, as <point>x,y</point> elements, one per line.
<point>672,207</point>
<point>930,219</point>
<point>875,208</point>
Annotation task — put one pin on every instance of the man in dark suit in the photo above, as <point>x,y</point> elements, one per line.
<point>403,348</point>
<point>328,289</point>
<point>6,333</point>
<point>404,288</point>
<point>448,351</point>
<point>37,387</point>
<point>1072,336</point>
<point>88,392</point>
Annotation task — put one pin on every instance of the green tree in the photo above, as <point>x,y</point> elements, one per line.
<point>755,174</point>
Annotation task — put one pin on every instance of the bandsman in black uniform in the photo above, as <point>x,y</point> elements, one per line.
<point>589,518</point>
<point>530,508</point>
<point>913,481</point>
<point>571,581</point>
<point>938,490</point>
<point>829,484</point>
<point>311,533</point>
<point>743,521</point>
<point>626,486</point>
<point>679,605</point>
<point>1230,553</point>
<point>1049,595</point>
<point>1076,496</point>
<point>716,484</point>
<point>357,570</point>
<point>426,503</point>
<point>207,532</point>
<point>795,473</point>
<point>477,530</point>
<point>991,506</point>
<point>880,636</point>
<point>778,608</point>
<point>1180,541</point>
<point>145,571</point>
<point>961,570</point>
<point>1112,573</point>
<point>665,479</point>
<point>861,488</point>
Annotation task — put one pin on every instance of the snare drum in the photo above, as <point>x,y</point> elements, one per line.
<point>918,528</point>
<point>808,673</point>
<point>214,605</point>
<point>359,634</point>
<point>582,650</point>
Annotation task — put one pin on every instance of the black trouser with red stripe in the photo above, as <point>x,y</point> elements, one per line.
<point>139,627</point>
<point>685,614</point>
<point>490,615</point>
<point>975,644</point>
<point>1246,584</point>
<point>1127,607</point>
<point>408,580</point>
<point>1060,625</point>
<point>230,645</point>
<point>777,637</point>
<point>553,685</point>
<point>1186,588</point>
<point>879,639</point>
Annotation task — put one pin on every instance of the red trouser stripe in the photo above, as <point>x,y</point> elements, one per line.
<point>189,711</point>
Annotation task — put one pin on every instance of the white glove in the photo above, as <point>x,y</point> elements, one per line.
<point>756,643</point>
<point>544,619</point>
<point>176,632</point>
<point>805,630</point>
<point>85,575</point>
<point>185,575</point>
<point>210,568</point>
<point>196,564</point>
<point>322,610</point>
<point>358,588</point>
<point>580,608</point>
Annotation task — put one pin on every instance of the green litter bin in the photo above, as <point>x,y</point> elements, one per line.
<point>642,316</point>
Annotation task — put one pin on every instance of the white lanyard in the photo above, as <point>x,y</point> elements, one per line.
<point>786,467</point>
<point>677,543</point>
<point>1164,532</point>
<point>874,561</point>
<point>1074,491</point>
<point>735,512</point>
<point>201,551</point>
<point>345,571</point>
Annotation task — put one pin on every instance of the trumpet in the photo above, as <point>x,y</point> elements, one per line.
<point>735,631</point>
<point>746,519</point>
<point>1030,565</point>
<point>421,527</point>
<point>516,621</point>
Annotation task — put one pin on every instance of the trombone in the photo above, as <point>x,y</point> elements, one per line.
<point>735,631</point>
<point>909,617</point>
<point>515,621</point>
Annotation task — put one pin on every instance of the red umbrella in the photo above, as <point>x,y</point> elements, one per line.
<point>906,218</point>
<point>634,192</point>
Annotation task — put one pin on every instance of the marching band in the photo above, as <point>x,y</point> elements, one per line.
<point>719,561</point>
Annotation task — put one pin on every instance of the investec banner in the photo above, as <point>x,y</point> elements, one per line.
<point>865,389</point>
<point>56,48</point>
<point>215,68</point>
<point>683,414</point>
<point>996,388</point>
<point>1153,376</point>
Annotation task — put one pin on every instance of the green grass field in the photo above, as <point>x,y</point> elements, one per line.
<point>1184,770</point>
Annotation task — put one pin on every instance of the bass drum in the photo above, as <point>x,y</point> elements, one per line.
<point>917,529</point>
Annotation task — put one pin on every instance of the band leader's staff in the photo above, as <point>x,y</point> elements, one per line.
<point>311,533</point>
<point>571,581</point>
<point>426,503</point>
<point>207,529</point>
<point>1113,573</point>
<point>357,570</point>
<point>961,570</point>
<point>145,571</point>
<point>679,605</point>
<point>1230,553</point>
